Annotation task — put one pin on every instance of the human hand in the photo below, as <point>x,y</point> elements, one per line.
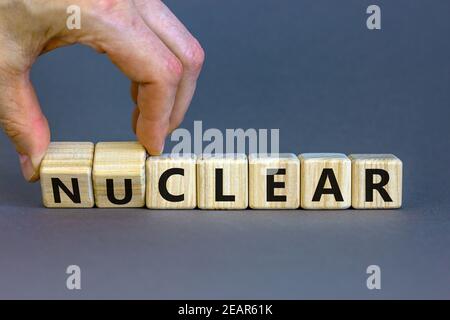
<point>141,37</point>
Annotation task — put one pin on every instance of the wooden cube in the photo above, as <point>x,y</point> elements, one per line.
<point>171,182</point>
<point>376,181</point>
<point>119,174</point>
<point>222,181</point>
<point>325,181</point>
<point>66,175</point>
<point>274,181</point>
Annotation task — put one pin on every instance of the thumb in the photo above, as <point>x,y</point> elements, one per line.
<point>22,120</point>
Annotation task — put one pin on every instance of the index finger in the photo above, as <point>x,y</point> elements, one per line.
<point>146,60</point>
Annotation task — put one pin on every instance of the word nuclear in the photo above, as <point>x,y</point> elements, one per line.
<point>119,174</point>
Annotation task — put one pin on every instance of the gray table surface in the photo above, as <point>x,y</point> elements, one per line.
<point>310,68</point>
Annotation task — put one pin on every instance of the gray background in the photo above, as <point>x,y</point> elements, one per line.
<point>310,68</point>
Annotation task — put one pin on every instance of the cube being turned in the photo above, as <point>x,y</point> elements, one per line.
<point>325,181</point>
<point>376,181</point>
<point>222,181</point>
<point>171,182</point>
<point>274,181</point>
<point>119,174</point>
<point>66,175</point>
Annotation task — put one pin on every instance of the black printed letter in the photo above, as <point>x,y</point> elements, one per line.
<point>271,185</point>
<point>219,187</point>
<point>110,192</point>
<point>370,186</point>
<point>328,174</point>
<point>162,184</point>
<point>75,196</point>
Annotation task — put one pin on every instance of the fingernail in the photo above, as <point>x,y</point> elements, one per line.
<point>29,171</point>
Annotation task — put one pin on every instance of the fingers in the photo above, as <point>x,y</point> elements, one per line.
<point>134,93</point>
<point>186,48</point>
<point>23,121</point>
<point>163,60</point>
<point>153,49</point>
<point>134,119</point>
<point>147,61</point>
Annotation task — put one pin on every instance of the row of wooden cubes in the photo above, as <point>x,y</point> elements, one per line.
<point>119,174</point>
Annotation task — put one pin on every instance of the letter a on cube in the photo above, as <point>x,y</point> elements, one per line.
<point>222,181</point>
<point>66,175</point>
<point>171,182</point>
<point>325,181</point>
<point>119,174</point>
<point>376,181</point>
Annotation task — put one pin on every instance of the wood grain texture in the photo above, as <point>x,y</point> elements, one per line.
<point>261,166</point>
<point>387,162</point>
<point>119,161</point>
<point>311,168</point>
<point>66,161</point>
<point>235,181</point>
<point>176,185</point>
